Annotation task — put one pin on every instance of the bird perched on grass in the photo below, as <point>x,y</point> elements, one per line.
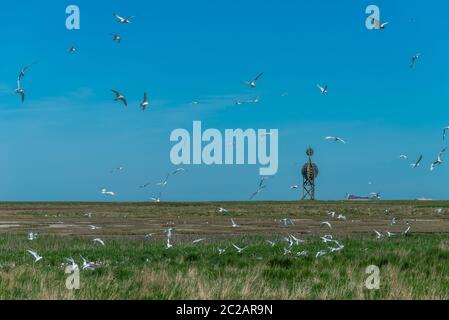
<point>33,236</point>
<point>320,253</point>
<point>287,222</point>
<point>378,234</point>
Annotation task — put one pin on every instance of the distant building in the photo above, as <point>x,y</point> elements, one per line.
<point>371,196</point>
<point>424,199</point>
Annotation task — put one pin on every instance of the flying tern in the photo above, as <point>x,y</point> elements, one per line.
<point>253,83</point>
<point>36,256</point>
<point>120,97</point>
<point>336,139</point>
<point>417,163</point>
<point>323,90</point>
<point>122,19</point>
<point>144,104</point>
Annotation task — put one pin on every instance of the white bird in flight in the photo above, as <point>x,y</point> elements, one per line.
<point>168,245</point>
<point>259,190</point>
<point>234,225</point>
<point>239,250</point>
<point>35,255</point>
<point>336,139</point>
<point>417,163</point>
<point>107,193</point>
<point>156,199</point>
<point>403,157</point>
<point>164,182</point>
<point>297,241</point>
<point>407,230</point>
<point>116,38</point>
<point>222,210</point>
<point>99,241</point>
<point>302,254</point>
<point>87,265</point>
<point>144,185</point>
<point>144,104</point>
<point>119,168</point>
<point>123,20</point>
<point>255,100</point>
<point>414,59</point>
<point>120,97</point>
<point>24,70</point>
<point>378,234</point>
<point>323,90</point>
<point>379,25</point>
<point>178,171</point>
<point>320,253</point>
<point>326,223</point>
<point>271,243</point>
<point>253,83</point>
<point>20,91</point>
<point>438,161</point>
<point>445,129</point>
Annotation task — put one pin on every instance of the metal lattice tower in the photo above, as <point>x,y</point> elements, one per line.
<point>309,173</point>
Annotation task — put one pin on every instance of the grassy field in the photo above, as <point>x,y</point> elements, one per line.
<point>415,266</point>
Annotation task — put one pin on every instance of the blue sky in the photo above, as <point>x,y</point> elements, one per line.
<point>61,144</point>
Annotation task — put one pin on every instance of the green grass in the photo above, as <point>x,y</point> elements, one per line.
<point>414,267</point>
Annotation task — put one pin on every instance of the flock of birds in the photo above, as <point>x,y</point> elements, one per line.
<point>332,245</point>
<point>287,242</point>
<point>161,184</point>
<point>144,104</point>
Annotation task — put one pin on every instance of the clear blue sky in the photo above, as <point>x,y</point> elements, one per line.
<point>63,141</point>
